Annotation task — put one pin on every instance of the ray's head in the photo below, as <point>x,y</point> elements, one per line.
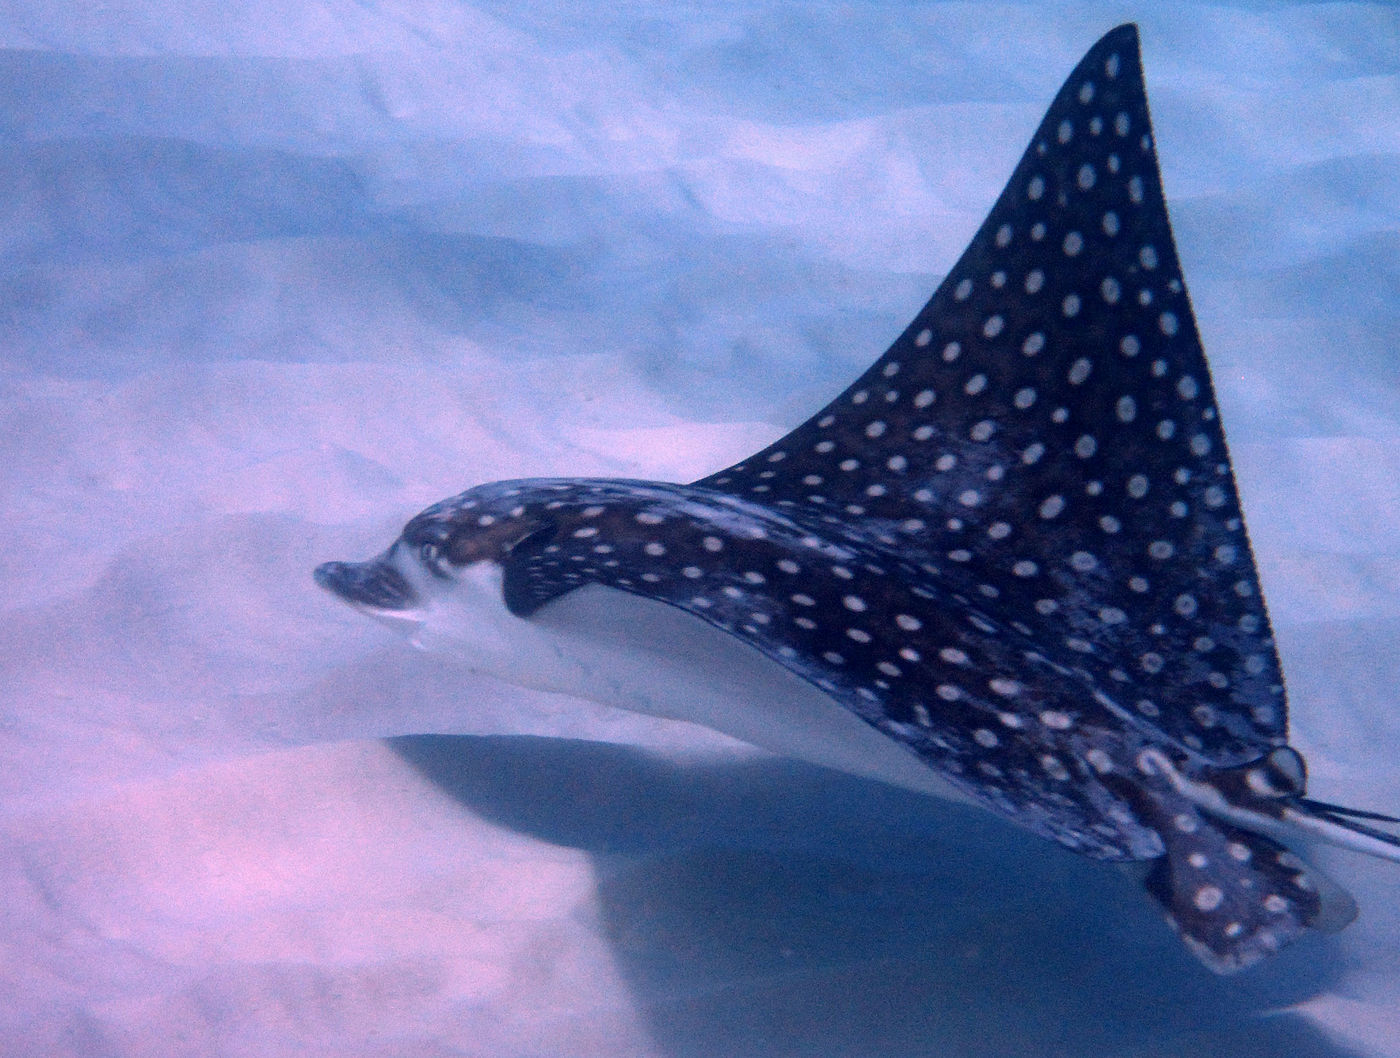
<point>441,553</point>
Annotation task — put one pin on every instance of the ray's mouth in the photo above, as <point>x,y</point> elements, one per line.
<point>376,586</point>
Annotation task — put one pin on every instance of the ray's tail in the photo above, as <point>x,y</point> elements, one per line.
<point>1267,795</point>
<point>1338,825</point>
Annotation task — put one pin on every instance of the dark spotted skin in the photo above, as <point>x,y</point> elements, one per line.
<point>900,643</point>
<point>1014,545</point>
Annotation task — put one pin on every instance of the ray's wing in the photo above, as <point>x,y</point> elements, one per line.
<point>1048,422</point>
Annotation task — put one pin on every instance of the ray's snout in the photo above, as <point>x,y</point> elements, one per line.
<point>374,585</point>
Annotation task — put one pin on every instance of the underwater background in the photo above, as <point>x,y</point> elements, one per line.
<point>276,275</point>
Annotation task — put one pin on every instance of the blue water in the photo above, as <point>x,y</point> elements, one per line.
<point>275,276</point>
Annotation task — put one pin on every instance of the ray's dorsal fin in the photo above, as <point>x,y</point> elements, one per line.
<point>1046,430</point>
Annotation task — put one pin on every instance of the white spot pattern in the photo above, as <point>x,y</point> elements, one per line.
<point>1051,420</point>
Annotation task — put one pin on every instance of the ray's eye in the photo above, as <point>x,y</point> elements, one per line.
<point>430,554</point>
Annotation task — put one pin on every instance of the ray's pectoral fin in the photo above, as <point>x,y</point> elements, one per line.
<point>1236,897</point>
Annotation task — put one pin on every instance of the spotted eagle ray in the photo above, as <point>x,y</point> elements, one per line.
<point>1007,565</point>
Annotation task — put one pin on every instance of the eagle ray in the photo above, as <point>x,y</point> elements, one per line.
<point>1013,549</point>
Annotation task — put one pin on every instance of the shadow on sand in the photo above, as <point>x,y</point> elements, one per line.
<point>767,908</point>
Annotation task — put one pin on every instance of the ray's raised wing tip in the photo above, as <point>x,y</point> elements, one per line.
<point>1123,40</point>
<point>1116,50</point>
<point>1124,34</point>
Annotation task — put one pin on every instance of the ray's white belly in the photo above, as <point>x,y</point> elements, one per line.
<point>635,653</point>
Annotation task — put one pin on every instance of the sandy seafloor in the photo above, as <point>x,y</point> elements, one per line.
<point>277,274</point>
